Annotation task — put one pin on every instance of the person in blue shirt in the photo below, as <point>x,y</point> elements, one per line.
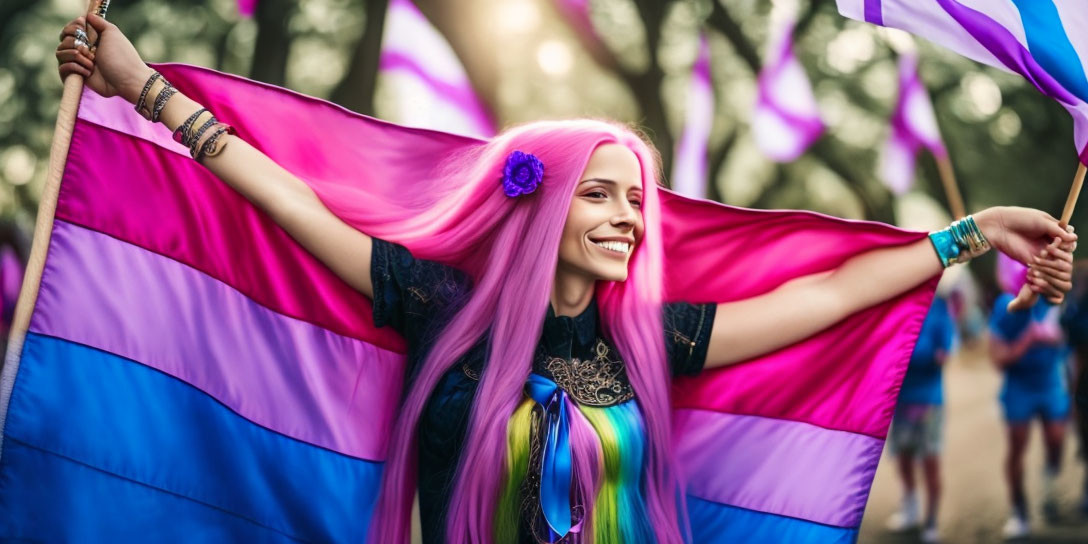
<point>919,419</point>
<point>1075,324</point>
<point>1030,347</point>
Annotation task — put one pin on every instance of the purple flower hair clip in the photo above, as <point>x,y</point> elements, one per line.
<point>522,173</point>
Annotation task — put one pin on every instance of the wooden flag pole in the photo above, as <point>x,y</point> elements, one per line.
<point>43,225</point>
<point>951,189</point>
<point>1074,192</point>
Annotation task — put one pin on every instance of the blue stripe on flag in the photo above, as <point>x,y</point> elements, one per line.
<point>713,523</point>
<point>1049,44</point>
<point>49,498</point>
<point>128,444</point>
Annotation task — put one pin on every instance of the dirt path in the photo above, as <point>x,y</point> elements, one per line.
<point>975,503</point>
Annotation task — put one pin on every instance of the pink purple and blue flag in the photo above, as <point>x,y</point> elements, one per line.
<point>191,373</point>
<point>913,126</point>
<point>247,7</point>
<point>786,119</point>
<point>1042,40</point>
<point>423,73</point>
<point>689,172</point>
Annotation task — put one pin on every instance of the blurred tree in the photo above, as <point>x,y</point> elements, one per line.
<point>1009,144</point>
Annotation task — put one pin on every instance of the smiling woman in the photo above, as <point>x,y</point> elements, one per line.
<point>538,405</point>
<point>603,227</point>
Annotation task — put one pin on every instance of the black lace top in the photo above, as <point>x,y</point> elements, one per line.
<point>417,298</point>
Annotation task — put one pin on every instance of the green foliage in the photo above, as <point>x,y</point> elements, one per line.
<point>1013,149</point>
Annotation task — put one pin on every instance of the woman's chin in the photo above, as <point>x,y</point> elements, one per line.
<point>613,275</point>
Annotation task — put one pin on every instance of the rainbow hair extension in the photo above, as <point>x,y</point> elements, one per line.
<point>508,514</point>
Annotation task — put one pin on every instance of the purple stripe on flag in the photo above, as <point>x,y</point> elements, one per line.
<point>461,96</point>
<point>776,466</point>
<point>1004,45</point>
<point>281,373</point>
<point>874,12</point>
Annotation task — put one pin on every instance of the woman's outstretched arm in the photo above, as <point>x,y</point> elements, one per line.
<point>115,68</point>
<point>798,309</point>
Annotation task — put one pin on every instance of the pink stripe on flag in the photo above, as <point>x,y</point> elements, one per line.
<point>846,377</point>
<point>776,466</point>
<point>171,205</point>
<point>281,373</point>
<point>247,7</point>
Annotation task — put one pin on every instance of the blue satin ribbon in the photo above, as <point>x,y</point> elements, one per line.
<point>555,466</point>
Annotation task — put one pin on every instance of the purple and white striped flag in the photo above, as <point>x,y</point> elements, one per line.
<point>432,89</point>
<point>913,126</point>
<point>576,12</point>
<point>1042,40</point>
<point>689,171</point>
<point>786,120</point>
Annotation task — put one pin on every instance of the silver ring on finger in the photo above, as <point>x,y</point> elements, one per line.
<point>80,42</point>
<point>81,35</point>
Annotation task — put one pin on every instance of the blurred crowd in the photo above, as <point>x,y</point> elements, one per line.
<point>1042,354</point>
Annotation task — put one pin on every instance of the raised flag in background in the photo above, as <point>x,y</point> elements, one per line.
<point>786,119</point>
<point>689,172</point>
<point>430,86</point>
<point>247,7</point>
<point>913,126</point>
<point>1042,40</point>
<point>192,374</point>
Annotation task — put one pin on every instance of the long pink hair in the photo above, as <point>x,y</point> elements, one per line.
<point>510,247</point>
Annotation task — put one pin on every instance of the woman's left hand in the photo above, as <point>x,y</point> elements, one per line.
<point>1036,239</point>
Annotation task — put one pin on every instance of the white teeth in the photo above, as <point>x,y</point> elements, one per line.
<point>622,247</point>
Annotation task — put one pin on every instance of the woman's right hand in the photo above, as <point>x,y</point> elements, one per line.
<point>112,68</point>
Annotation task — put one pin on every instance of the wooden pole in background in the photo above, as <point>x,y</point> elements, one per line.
<point>951,189</point>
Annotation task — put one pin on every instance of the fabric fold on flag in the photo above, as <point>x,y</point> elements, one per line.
<point>913,126</point>
<point>191,370</point>
<point>786,119</point>
<point>1042,40</point>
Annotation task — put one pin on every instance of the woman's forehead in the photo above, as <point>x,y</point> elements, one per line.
<point>616,163</point>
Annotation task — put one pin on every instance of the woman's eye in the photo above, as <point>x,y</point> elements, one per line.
<point>597,194</point>
<point>636,203</point>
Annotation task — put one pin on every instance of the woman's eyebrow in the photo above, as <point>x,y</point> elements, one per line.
<point>601,180</point>
<point>607,181</point>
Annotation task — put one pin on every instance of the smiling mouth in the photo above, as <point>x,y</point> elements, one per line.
<point>614,247</point>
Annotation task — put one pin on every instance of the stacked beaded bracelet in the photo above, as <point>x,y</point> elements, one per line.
<point>960,242</point>
<point>141,105</point>
<point>168,90</point>
<point>213,145</point>
<point>199,147</point>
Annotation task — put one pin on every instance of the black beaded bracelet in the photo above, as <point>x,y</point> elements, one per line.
<point>143,94</point>
<point>160,101</point>
<point>210,148</point>
<point>199,133</point>
<point>181,135</point>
